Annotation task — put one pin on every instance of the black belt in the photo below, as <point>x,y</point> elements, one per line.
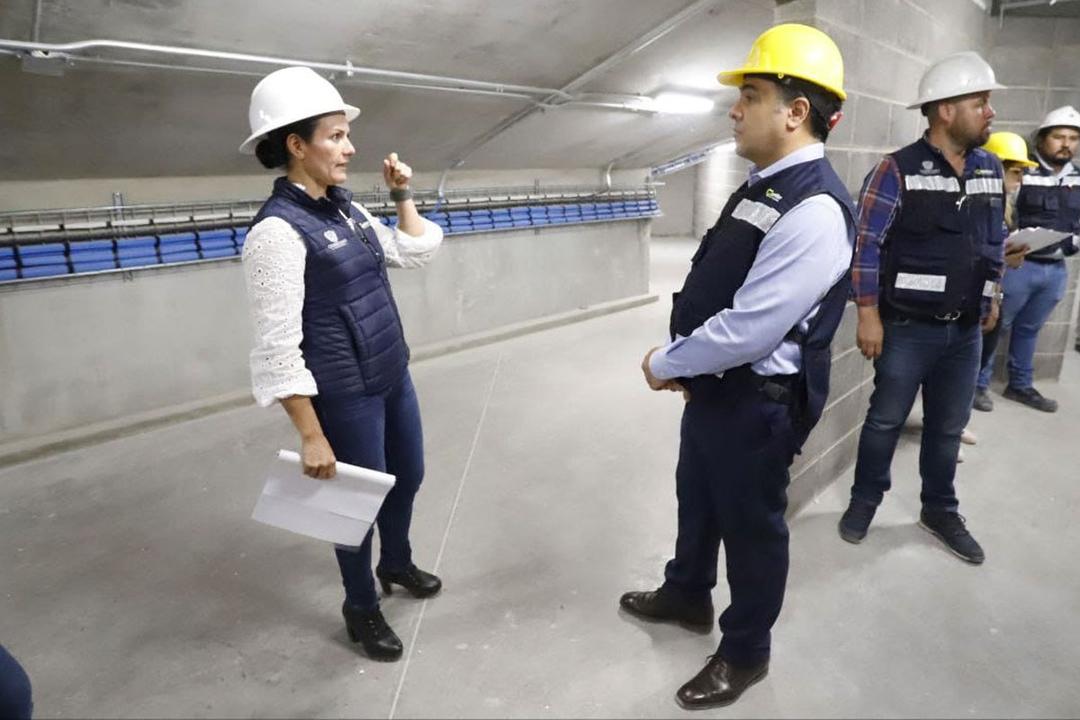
<point>956,316</point>
<point>778,388</point>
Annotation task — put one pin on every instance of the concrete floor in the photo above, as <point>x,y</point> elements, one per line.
<point>135,584</point>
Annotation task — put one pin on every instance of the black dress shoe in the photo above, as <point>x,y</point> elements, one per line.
<point>666,606</point>
<point>419,583</point>
<point>719,683</point>
<point>369,628</point>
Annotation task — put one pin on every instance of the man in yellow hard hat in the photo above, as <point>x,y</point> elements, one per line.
<point>750,335</point>
<point>1012,151</point>
<point>929,253</point>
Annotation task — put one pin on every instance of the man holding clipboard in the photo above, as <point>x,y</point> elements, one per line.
<point>1048,210</point>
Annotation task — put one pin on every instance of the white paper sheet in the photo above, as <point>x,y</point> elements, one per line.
<point>1038,238</point>
<point>339,511</point>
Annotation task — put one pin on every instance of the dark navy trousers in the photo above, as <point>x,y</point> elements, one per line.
<point>15,695</point>
<point>731,483</point>
<point>381,432</point>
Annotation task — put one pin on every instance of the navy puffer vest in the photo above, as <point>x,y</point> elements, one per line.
<point>1053,202</point>
<point>353,340</point>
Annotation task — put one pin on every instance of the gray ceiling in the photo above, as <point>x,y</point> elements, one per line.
<point>107,121</point>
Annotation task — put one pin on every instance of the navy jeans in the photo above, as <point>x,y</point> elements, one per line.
<point>15,695</point>
<point>943,360</point>
<point>735,450</point>
<point>380,432</point>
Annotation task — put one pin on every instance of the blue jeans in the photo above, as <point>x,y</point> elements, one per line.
<point>380,432</point>
<point>15,695</point>
<point>731,482</point>
<point>1031,293</point>
<point>943,360</point>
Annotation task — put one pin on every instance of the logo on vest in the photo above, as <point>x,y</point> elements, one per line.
<point>984,172</point>
<point>773,195</point>
<point>333,242</point>
<point>928,168</point>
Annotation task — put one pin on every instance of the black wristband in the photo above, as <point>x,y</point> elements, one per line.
<point>401,194</point>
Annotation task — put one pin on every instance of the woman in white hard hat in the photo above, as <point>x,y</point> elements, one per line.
<point>328,338</point>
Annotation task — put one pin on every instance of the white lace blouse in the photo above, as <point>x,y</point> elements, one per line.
<point>274,258</point>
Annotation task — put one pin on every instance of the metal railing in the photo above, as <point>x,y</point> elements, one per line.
<point>27,227</point>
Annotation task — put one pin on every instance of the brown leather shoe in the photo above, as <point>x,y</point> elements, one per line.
<point>665,606</point>
<point>719,683</point>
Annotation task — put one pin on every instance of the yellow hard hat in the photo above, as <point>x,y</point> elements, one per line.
<point>794,50</point>
<point>1009,147</point>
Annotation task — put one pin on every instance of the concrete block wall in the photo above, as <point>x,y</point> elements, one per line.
<point>676,200</point>
<point>887,45</point>
<point>1038,59</point>
<point>719,175</point>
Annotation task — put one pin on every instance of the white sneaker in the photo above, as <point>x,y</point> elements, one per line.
<point>968,438</point>
<point>960,455</point>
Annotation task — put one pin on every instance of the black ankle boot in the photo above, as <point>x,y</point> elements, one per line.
<point>369,628</point>
<point>419,583</point>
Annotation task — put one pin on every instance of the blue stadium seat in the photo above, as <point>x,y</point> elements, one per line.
<point>7,259</point>
<point>179,247</point>
<point>92,256</point>
<point>43,260</point>
<point>137,251</point>
<point>241,235</point>
<point>36,271</point>
<point>217,243</point>
<point>6,274</point>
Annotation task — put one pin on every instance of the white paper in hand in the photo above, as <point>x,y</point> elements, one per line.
<point>1037,238</point>
<point>340,511</point>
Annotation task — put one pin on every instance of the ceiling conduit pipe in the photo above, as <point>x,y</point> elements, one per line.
<point>619,56</point>
<point>72,50</point>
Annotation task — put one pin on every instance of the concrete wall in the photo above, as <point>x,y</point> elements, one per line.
<point>97,349</point>
<point>718,176</point>
<point>676,199</point>
<point>887,44</point>
<point>1038,59</point>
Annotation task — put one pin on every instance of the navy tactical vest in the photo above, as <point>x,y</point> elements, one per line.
<point>1049,202</point>
<point>353,340</point>
<point>937,258</point>
<point>724,258</point>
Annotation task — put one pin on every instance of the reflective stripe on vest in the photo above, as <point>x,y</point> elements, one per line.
<point>931,182</point>
<point>757,214</point>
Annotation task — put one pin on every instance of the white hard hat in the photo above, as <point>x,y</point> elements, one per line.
<point>288,95</point>
<point>1066,116</point>
<point>960,74</point>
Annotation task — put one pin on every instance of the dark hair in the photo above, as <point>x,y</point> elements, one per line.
<point>271,150</point>
<point>823,104</point>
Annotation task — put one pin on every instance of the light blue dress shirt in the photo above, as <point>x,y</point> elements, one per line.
<point>803,255</point>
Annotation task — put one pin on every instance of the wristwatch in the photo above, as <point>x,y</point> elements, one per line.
<point>401,194</point>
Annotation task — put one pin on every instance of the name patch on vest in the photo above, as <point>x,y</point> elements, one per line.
<point>986,186</point>
<point>931,182</point>
<point>760,216</point>
<point>926,283</point>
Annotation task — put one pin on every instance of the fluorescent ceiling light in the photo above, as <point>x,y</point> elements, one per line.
<point>681,103</point>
